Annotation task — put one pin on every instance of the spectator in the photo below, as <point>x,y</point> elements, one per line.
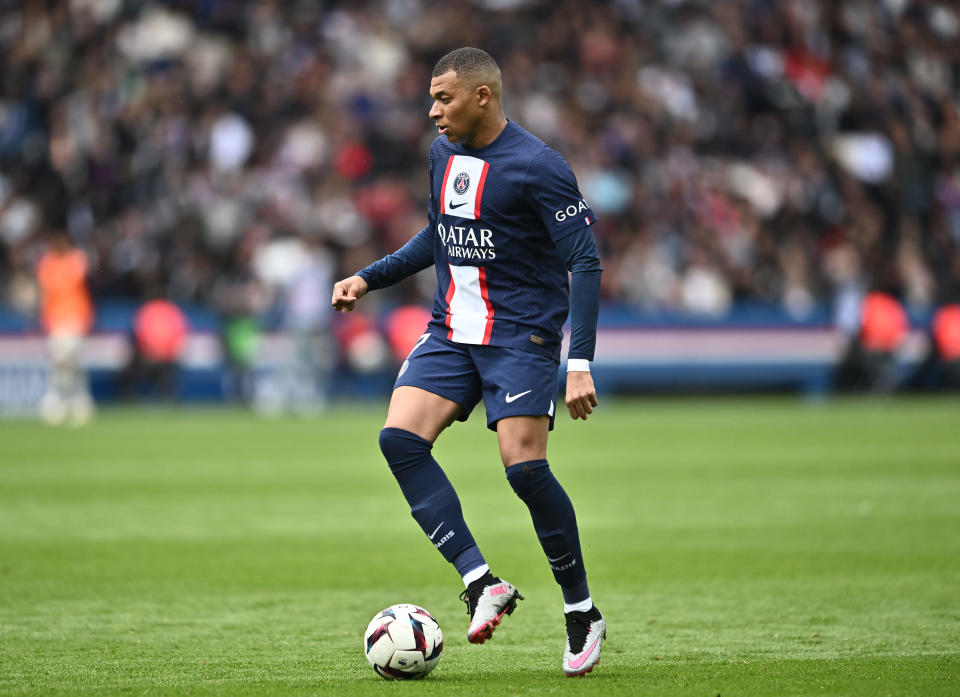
<point>871,361</point>
<point>946,343</point>
<point>727,146</point>
<point>159,333</point>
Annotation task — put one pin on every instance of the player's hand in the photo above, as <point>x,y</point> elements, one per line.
<point>347,292</point>
<point>581,394</point>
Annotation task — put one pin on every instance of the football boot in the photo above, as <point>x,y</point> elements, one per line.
<point>585,634</point>
<point>488,599</point>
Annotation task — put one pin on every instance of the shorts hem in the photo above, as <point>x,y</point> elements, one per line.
<point>492,424</point>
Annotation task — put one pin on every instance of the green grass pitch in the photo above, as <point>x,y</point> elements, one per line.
<point>738,547</point>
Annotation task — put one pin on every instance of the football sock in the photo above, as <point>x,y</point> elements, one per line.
<point>474,574</point>
<point>555,523</point>
<point>433,501</point>
<point>583,606</point>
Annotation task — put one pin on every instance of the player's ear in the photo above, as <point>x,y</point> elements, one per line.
<point>482,95</point>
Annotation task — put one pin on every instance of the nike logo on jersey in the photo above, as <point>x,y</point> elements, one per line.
<point>454,206</point>
<point>433,534</point>
<point>510,398</point>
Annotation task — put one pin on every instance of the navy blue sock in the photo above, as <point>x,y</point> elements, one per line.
<point>433,501</point>
<point>555,523</point>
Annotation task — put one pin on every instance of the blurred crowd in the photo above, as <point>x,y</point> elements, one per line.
<point>241,155</point>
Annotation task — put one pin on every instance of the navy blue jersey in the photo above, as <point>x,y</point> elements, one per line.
<point>497,212</point>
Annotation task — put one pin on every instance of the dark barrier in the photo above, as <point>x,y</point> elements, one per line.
<point>748,350</point>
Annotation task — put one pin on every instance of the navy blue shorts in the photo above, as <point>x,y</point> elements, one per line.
<point>511,382</point>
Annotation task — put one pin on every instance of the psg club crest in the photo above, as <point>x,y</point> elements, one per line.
<point>461,183</point>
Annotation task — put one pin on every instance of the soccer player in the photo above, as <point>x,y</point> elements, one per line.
<point>506,222</point>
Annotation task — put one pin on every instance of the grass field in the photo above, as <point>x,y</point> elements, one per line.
<point>738,547</point>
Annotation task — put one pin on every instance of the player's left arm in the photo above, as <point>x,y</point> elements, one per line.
<point>582,259</point>
<point>552,189</point>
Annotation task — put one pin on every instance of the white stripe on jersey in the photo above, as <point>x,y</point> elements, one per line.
<point>470,314</point>
<point>463,182</point>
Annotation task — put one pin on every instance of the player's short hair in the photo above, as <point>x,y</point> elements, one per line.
<point>473,66</point>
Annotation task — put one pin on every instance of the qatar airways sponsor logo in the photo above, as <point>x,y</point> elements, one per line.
<point>571,210</point>
<point>466,242</point>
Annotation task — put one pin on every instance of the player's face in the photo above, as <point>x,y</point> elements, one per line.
<point>456,108</point>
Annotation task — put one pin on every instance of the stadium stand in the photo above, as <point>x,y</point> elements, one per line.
<point>748,154</point>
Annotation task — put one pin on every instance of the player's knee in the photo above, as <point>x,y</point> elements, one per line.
<point>521,451</point>
<point>528,478</point>
<point>403,449</point>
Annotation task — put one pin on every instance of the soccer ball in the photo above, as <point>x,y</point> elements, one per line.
<point>403,641</point>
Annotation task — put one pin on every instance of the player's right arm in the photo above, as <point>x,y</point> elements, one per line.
<point>414,256</point>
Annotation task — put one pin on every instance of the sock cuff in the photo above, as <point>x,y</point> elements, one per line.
<point>404,449</point>
<point>530,466</point>
<point>474,574</point>
<point>390,433</point>
<point>581,606</point>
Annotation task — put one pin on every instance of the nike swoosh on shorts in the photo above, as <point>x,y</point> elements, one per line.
<point>510,398</point>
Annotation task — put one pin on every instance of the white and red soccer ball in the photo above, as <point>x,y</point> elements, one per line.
<point>403,641</point>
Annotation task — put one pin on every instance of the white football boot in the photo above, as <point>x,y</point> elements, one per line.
<point>585,634</point>
<point>488,599</point>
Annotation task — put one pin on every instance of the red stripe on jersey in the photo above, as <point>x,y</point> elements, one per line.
<point>452,289</point>
<point>476,204</point>
<point>443,187</point>
<point>485,294</point>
